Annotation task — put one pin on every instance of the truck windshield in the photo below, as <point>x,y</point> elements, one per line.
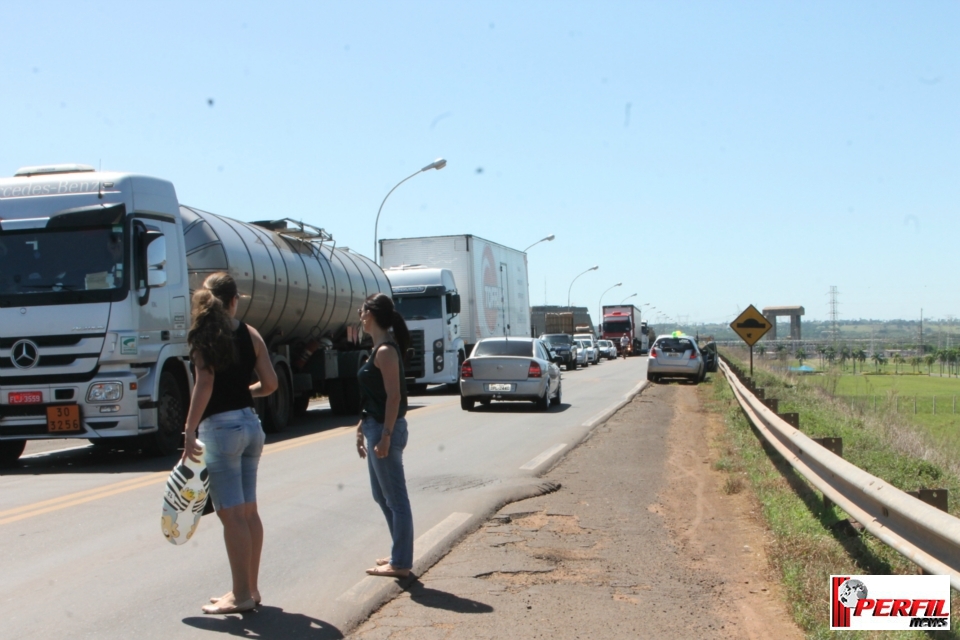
<point>418,308</point>
<point>41,261</point>
<point>522,348</point>
<point>616,326</point>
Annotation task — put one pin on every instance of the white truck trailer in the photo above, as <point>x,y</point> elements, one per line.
<point>491,281</point>
<point>96,272</point>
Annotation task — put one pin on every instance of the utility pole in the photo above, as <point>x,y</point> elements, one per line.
<point>921,332</point>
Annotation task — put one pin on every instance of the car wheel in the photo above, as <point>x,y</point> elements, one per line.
<point>543,402</point>
<point>556,399</point>
<point>466,403</point>
<point>649,376</point>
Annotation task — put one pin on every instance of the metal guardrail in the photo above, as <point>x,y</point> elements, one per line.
<point>922,533</point>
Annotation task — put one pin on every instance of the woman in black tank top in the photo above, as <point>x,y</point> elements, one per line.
<point>225,354</point>
<point>383,430</point>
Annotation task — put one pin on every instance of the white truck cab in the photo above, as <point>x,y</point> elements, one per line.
<point>427,299</point>
<point>94,308</point>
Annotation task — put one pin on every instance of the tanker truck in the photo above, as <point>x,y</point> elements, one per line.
<point>96,273</point>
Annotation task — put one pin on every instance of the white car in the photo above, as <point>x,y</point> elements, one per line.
<point>510,369</point>
<point>607,349</point>
<point>590,351</point>
<point>590,343</point>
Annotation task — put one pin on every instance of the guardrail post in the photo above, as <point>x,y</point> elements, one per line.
<point>773,404</point>
<point>933,497</point>
<point>835,446</point>
<point>760,393</point>
<point>793,419</point>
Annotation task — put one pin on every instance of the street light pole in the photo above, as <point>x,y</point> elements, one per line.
<point>549,238</point>
<point>632,295</point>
<point>437,164</point>
<point>593,268</point>
<point>600,306</point>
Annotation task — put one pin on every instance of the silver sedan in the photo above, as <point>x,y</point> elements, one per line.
<point>510,369</point>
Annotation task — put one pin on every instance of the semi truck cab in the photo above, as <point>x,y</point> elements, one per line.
<point>428,300</point>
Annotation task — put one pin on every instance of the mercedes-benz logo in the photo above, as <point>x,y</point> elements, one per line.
<point>24,354</point>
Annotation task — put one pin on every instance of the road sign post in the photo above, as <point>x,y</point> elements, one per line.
<point>751,325</point>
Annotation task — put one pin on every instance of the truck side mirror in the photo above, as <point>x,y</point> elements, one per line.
<point>453,303</point>
<point>156,261</point>
<point>150,260</point>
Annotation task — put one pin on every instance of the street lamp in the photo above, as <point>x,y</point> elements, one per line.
<point>593,268</point>
<point>600,305</point>
<point>632,295</point>
<point>437,164</point>
<point>549,238</point>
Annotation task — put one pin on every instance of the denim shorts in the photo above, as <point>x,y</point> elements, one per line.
<point>233,442</point>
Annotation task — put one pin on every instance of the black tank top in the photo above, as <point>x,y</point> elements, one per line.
<point>231,387</point>
<point>374,393</point>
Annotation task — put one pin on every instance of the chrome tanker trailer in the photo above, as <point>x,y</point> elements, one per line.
<point>96,272</point>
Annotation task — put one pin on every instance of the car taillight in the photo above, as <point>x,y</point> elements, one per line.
<point>693,355</point>
<point>653,353</point>
<point>534,371</point>
<point>466,370</point>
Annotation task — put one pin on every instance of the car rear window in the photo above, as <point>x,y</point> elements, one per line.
<point>674,345</point>
<point>559,338</point>
<point>523,348</point>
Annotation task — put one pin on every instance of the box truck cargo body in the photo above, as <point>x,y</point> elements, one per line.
<point>96,272</point>
<point>623,320</point>
<point>491,280</point>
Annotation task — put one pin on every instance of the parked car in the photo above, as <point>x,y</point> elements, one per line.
<point>565,348</point>
<point>676,356</point>
<point>510,369</point>
<point>587,339</point>
<point>607,349</point>
<point>591,353</point>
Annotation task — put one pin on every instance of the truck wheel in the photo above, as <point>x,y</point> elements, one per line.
<point>466,403</point>
<point>10,451</point>
<point>171,417</point>
<point>278,404</point>
<point>335,396</point>
<point>301,404</point>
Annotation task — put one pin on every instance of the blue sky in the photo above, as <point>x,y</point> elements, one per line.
<point>707,155</point>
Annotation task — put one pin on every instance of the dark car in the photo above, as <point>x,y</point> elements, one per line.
<point>564,346</point>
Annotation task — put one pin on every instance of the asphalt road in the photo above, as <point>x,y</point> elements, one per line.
<point>83,555</point>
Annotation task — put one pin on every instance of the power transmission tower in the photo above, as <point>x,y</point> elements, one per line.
<point>834,314</point>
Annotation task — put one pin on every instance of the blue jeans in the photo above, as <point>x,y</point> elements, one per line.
<point>233,443</point>
<point>390,488</point>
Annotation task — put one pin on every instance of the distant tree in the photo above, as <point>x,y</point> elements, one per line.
<point>897,361</point>
<point>915,363</point>
<point>860,356</point>
<point>761,349</point>
<point>942,358</point>
<point>878,359</point>
<point>847,354</point>
<point>929,359</point>
<point>831,354</point>
<point>821,351</point>
<point>800,355</point>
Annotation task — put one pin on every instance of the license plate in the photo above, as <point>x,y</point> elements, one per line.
<point>63,419</point>
<point>25,397</point>
<point>499,387</point>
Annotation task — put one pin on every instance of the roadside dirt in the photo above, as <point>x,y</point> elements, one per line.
<point>640,541</point>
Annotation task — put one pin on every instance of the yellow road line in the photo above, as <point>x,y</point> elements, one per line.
<point>97,493</point>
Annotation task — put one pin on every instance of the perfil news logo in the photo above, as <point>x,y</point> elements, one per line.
<point>888,603</point>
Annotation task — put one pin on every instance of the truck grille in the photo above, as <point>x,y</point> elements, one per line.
<point>414,368</point>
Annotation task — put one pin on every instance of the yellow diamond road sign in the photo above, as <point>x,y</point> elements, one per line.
<point>751,325</point>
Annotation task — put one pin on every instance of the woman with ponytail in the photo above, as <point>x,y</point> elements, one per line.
<point>382,432</point>
<point>225,354</point>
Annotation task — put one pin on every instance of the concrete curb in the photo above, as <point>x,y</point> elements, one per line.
<point>371,593</point>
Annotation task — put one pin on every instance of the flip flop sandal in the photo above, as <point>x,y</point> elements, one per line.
<point>248,605</point>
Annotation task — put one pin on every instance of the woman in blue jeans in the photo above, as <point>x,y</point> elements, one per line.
<point>383,429</point>
<point>225,354</point>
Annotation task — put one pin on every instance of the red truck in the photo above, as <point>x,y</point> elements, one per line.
<point>623,320</point>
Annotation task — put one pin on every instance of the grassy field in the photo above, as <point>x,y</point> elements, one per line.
<point>810,541</point>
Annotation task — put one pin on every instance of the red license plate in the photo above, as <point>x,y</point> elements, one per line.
<point>63,419</point>
<point>25,397</point>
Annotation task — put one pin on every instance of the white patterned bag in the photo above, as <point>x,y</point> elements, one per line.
<point>187,491</point>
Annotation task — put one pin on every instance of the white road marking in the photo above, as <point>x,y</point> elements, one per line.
<point>52,451</point>
<point>540,459</point>
<point>369,586</point>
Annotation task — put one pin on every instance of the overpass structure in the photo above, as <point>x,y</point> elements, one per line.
<point>771,314</point>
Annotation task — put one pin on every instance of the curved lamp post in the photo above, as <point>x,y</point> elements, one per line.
<point>632,295</point>
<point>600,306</point>
<point>438,164</point>
<point>549,238</point>
<point>593,268</point>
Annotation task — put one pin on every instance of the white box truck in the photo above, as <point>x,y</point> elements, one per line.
<point>490,279</point>
<point>96,271</point>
